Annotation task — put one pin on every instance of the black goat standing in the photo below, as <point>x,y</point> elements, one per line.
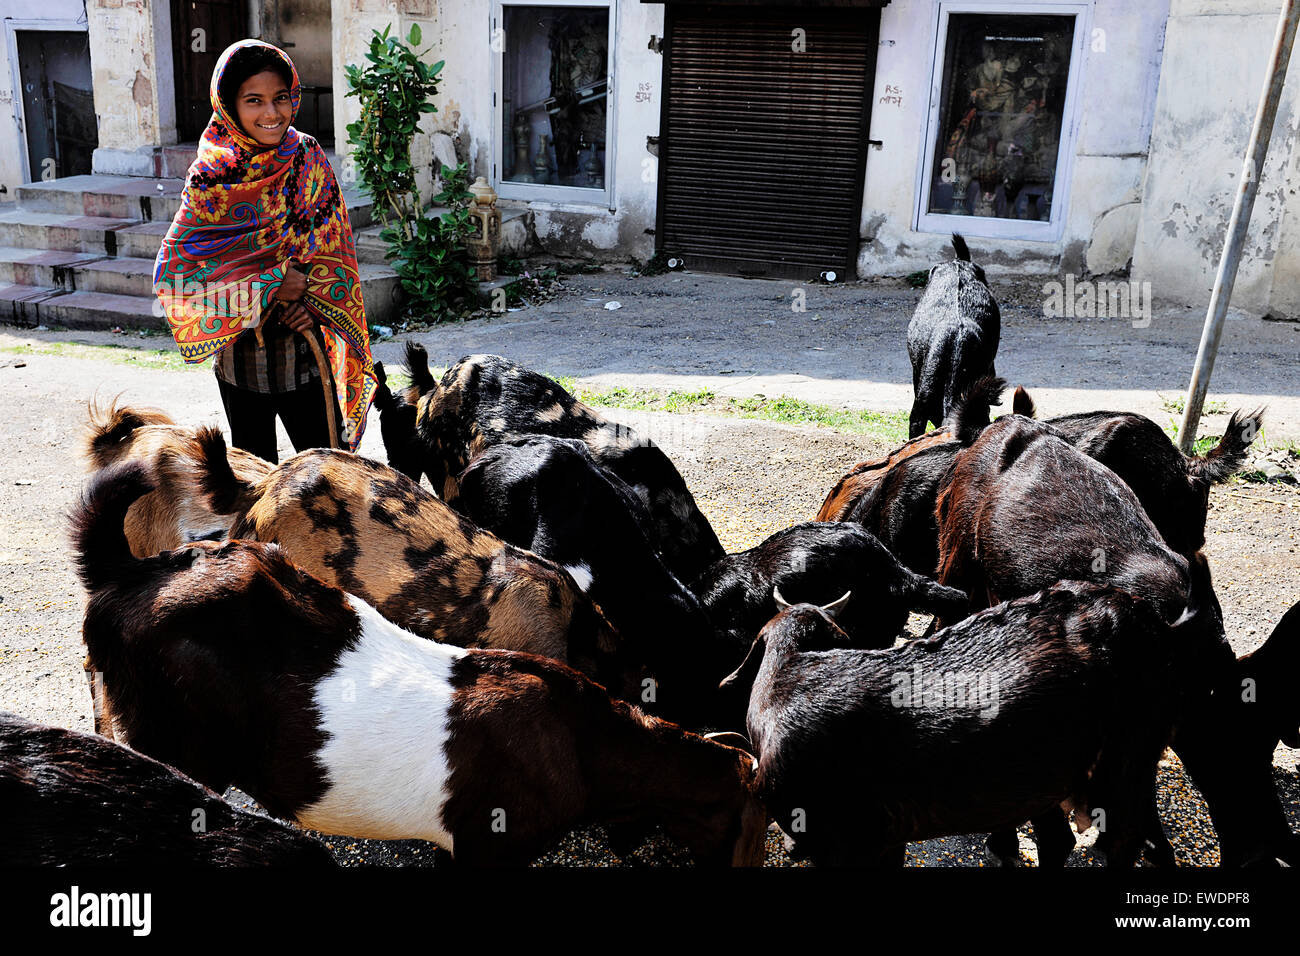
<point>952,339</point>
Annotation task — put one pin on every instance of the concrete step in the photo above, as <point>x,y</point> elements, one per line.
<point>34,230</point>
<point>29,306</point>
<point>36,267</point>
<point>516,225</point>
<point>142,240</point>
<point>133,197</point>
<point>117,197</point>
<point>80,292</point>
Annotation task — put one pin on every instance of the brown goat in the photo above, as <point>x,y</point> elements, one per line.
<point>175,513</point>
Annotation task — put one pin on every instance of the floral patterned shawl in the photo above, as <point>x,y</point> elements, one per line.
<point>245,211</point>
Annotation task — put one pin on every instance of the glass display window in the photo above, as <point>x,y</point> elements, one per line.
<point>553,110</point>
<point>1000,130</point>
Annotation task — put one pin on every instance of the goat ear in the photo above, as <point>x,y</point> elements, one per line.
<point>833,609</point>
<point>730,738</point>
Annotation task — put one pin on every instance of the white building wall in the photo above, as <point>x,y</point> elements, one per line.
<point>1118,88</point>
<point>11,152</point>
<point>1215,58</point>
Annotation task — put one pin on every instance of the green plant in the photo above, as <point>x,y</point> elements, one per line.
<point>429,259</point>
<point>427,253</point>
<point>394,91</point>
<point>918,279</point>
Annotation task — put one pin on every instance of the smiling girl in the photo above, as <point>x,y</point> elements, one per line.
<point>260,256</point>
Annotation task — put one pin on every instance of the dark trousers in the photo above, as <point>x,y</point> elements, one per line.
<point>252,418</point>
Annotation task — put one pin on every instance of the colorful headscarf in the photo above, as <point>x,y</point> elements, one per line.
<point>245,212</point>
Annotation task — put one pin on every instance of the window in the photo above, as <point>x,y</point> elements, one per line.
<point>553,118</point>
<point>1000,130</point>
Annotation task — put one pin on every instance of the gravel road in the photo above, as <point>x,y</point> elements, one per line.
<point>751,478</point>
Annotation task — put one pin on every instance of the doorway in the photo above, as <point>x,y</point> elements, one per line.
<point>58,108</point>
<point>201,31</point>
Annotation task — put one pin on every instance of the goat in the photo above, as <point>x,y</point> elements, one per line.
<point>1228,749</point>
<point>74,799</point>
<point>1063,698</point>
<point>952,338</point>
<point>550,496</point>
<point>1173,488</point>
<point>813,563</point>
<point>378,535</point>
<point>486,399</point>
<point>970,414</point>
<point>1023,509</point>
<point>239,668</point>
<point>396,426</point>
<point>174,513</point>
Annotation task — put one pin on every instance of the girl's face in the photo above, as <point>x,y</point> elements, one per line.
<point>265,108</point>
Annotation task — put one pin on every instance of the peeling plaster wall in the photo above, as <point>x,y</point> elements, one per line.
<point>1118,90</point>
<point>124,62</point>
<point>459,32</point>
<point>1215,57</point>
<point>11,153</point>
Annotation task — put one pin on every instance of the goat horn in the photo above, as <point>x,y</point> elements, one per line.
<point>781,603</point>
<point>833,609</point>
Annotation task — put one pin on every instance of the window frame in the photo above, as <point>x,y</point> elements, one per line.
<point>551,192</point>
<point>989,226</point>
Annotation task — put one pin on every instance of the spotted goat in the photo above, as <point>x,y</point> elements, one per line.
<point>372,531</point>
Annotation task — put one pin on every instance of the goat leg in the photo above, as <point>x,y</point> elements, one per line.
<point>1053,837</point>
<point>1157,850</point>
<point>1003,848</point>
<point>103,715</point>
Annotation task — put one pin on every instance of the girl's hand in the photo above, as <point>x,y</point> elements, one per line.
<point>296,317</point>
<point>294,286</point>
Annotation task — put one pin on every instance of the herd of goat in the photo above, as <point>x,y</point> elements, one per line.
<point>556,637</point>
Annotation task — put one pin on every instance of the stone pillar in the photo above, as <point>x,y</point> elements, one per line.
<point>135,102</point>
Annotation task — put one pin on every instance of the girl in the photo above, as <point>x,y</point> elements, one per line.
<point>260,257</point>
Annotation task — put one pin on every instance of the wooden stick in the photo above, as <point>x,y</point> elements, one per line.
<point>325,378</point>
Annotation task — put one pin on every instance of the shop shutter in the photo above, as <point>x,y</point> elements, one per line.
<point>763,148</point>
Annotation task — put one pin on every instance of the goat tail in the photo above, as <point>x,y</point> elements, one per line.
<point>226,492</point>
<point>959,246</point>
<point>111,426</point>
<point>1022,404</point>
<point>970,414</point>
<point>103,554</point>
<point>417,364</point>
<point>1226,458</point>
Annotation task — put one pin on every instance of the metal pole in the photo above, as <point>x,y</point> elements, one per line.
<point>1248,187</point>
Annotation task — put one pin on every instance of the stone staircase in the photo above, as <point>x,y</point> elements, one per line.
<point>78,252</point>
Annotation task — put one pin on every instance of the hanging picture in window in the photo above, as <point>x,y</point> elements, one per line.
<point>556,81</point>
<point>1003,98</point>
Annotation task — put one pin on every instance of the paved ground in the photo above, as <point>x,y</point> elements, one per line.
<point>751,478</point>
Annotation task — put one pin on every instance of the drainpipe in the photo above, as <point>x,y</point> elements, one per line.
<point>1248,187</point>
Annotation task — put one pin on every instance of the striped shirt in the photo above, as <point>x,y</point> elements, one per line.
<point>284,365</point>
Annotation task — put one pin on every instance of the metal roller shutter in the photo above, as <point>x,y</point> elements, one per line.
<point>763,149</point>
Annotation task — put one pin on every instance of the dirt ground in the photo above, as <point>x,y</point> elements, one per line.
<point>751,477</point>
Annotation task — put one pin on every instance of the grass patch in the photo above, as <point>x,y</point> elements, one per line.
<point>888,426</point>
<point>168,360</point>
<point>1178,403</point>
